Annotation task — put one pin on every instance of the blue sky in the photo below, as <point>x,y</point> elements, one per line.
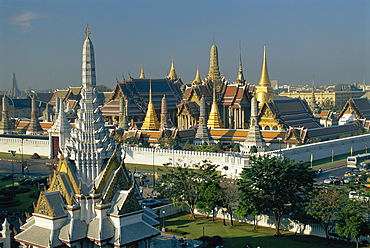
<point>41,41</point>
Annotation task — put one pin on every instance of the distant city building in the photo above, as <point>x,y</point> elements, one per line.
<point>337,98</point>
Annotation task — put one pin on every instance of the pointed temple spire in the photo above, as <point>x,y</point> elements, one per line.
<point>197,80</point>
<point>123,114</point>
<point>214,71</point>
<point>172,74</point>
<point>88,62</point>
<point>34,127</point>
<point>240,78</point>
<point>264,91</point>
<point>202,135</point>
<point>151,120</point>
<point>142,74</point>
<point>6,126</point>
<point>254,137</point>
<point>214,120</point>
<point>14,91</point>
<point>315,108</point>
<point>61,126</point>
<point>164,113</point>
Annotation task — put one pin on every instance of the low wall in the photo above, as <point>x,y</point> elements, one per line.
<point>25,145</point>
<point>325,149</point>
<point>230,163</point>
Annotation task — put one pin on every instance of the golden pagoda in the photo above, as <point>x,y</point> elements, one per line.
<point>151,120</point>
<point>214,119</point>
<point>264,91</point>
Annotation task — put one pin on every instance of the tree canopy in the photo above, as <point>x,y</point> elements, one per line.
<point>276,185</point>
<point>183,182</point>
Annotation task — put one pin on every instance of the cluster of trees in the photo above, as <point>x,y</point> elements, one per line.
<point>276,186</point>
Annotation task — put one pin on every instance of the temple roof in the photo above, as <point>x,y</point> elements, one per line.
<point>357,106</point>
<point>293,112</point>
<point>136,91</point>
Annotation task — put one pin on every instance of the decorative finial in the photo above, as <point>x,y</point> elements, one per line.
<point>87,32</point>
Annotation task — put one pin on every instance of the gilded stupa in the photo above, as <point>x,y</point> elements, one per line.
<point>214,119</point>
<point>264,91</point>
<point>151,120</point>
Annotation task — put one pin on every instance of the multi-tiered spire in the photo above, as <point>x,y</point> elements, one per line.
<point>214,70</point>
<point>240,78</point>
<point>123,123</point>
<point>142,73</point>
<point>89,145</point>
<point>34,127</point>
<point>14,91</point>
<point>202,136</point>
<point>164,113</point>
<point>5,124</point>
<point>254,137</point>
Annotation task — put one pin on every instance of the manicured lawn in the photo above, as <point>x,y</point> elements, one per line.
<point>240,234</point>
<point>23,201</point>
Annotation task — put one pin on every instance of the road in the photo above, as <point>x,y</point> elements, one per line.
<point>333,169</point>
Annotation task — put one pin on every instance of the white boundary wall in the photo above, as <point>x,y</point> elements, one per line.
<point>324,149</point>
<point>25,146</point>
<point>153,156</point>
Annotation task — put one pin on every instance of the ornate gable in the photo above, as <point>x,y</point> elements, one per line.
<point>131,204</point>
<point>57,184</point>
<point>64,167</point>
<point>268,118</point>
<point>43,206</point>
<point>118,182</point>
<point>103,179</point>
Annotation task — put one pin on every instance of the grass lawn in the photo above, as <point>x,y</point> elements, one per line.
<point>241,233</point>
<point>24,200</point>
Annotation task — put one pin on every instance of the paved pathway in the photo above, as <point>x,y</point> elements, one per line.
<point>165,241</point>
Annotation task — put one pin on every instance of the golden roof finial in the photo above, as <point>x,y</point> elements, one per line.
<point>197,80</point>
<point>172,74</point>
<point>87,32</point>
<point>142,74</point>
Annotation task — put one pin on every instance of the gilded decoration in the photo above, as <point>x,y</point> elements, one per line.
<point>43,206</point>
<point>64,167</point>
<point>57,184</point>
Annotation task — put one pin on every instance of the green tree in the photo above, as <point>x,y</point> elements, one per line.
<point>253,149</point>
<point>184,181</point>
<point>189,146</point>
<point>229,196</point>
<point>278,185</point>
<point>236,148</point>
<point>102,88</point>
<point>352,225</point>
<point>210,197</point>
<point>324,206</point>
